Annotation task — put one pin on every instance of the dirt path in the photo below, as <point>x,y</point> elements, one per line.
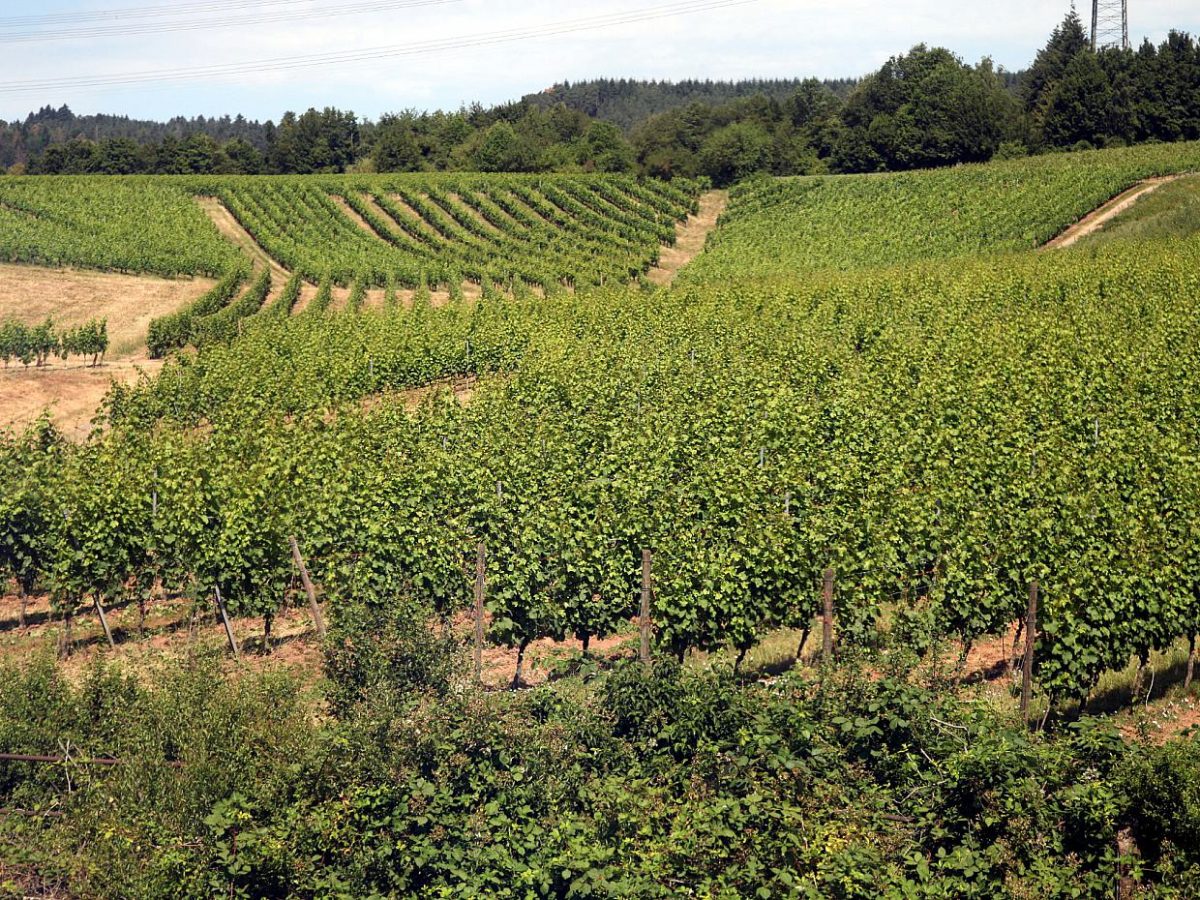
<point>690,238</point>
<point>1097,219</point>
<point>232,229</point>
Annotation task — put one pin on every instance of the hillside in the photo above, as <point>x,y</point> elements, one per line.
<point>857,560</point>
<point>780,227</point>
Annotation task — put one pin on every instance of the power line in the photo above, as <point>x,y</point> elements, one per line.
<point>258,18</point>
<point>415,48</point>
<point>141,12</point>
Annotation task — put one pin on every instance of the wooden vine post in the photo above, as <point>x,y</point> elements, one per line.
<point>309,590</point>
<point>480,590</point>
<point>233,645</point>
<point>65,641</point>
<point>1027,662</point>
<point>644,616</point>
<point>103,620</point>
<point>827,618</point>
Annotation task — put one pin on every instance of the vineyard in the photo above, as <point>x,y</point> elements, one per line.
<point>870,375</point>
<point>940,436</point>
<point>776,227</point>
<point>550,232</point>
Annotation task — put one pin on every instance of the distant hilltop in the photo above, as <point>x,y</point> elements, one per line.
<point>626,101</point>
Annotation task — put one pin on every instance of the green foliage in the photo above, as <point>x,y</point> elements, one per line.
<point>735,152</point>
<point>921,110</point>
<point>382,653</point>
<point>358,296</point>
<point>324,298</point>
<point>176,330</point>
<point>38,343</point>
<point>774,228</point>
<point>648,784</point>
<point>244,736</point>
<point>501,149</point>
<point>124,225</point>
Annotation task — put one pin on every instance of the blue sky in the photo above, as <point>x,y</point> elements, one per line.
<point>763,38</point>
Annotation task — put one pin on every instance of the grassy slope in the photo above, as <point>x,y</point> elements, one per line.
<point>783,226</point>
<point>1171,211</point>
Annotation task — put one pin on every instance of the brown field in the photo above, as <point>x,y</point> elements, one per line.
<point>71,390</point>
<point>71,297</point>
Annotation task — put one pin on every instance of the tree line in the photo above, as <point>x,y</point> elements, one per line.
<point>22,141</point>
<point>922,109</point>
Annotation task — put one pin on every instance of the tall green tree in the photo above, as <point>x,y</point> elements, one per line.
<point>1067,41</point>
<point>926,108</point>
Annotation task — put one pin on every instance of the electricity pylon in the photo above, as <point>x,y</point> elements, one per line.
<point>1110,24</point>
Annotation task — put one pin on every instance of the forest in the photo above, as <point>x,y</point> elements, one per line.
<point>922,109</point>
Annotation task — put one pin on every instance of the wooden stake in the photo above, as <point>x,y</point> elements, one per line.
<point>64,636</point>
<point>24,602</point>
<point>644,616</point>
<point>237,654</point>
<point>1191,665</point>
<point>1126,851</point>
<point>480,590</point>
<point>1027,662</point>
<point>314,607</point>
<point>827,618</point>
<point>103,620</point>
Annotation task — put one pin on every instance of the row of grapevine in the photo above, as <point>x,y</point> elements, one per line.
<point>938,435</point>
<point>776,227</point>
<point>139,224</point>
<point>37,343</point>
<point>175,330</point>
<point>411,230</point>
<point>440,230</point>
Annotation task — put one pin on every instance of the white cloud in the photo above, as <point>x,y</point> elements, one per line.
<point>769,38</point>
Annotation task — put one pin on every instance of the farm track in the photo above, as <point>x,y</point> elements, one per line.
<point>233,231</point>
<point>1098,218</point>
<point>690,238</point>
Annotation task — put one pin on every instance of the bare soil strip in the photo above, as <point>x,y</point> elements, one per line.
<point>1097,219</point>
<point>350,213</point>
<point>690,238</point>
<point>232,229</point>
<point>475,215</point>
<point>401,204</point>
<point>308,293</point>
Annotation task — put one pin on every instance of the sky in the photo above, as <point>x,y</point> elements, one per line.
<point>440,54</point>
